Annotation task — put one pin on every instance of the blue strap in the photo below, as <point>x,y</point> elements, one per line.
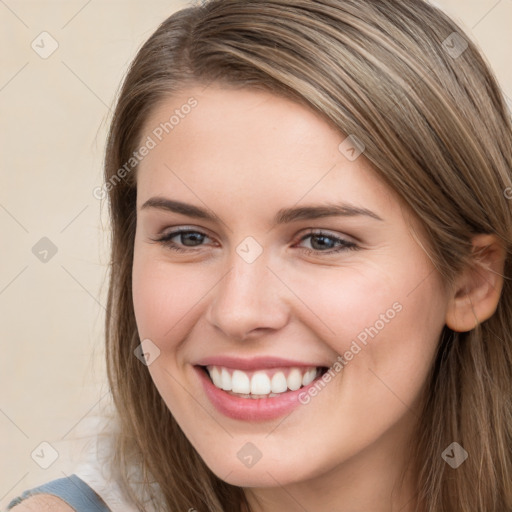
<point>74,491</point>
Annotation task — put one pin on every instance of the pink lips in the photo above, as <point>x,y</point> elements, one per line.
<point>249,409</point>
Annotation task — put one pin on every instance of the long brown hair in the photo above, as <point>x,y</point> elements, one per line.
<point>410,85</point>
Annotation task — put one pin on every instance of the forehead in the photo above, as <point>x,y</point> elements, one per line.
<point>249,144</point>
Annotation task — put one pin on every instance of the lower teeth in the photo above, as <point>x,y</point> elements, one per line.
<point>243,395</point>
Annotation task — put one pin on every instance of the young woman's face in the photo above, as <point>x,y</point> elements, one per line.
<point>294,257</point>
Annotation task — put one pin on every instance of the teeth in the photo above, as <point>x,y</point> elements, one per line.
<point>225,380</point>
<point>216,377</point>
<point>309,377</point>
<point>240,382</point>
<point>294,379</point>
<point>260,384</point>
<point>279,384</point>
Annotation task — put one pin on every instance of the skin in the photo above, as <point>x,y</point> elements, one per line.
<point>43,503</point>
<point>244,155</point>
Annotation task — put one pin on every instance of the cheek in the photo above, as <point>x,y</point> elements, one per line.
<point>164,297</point>
<point>386,319</point>
<point>346,301</point>
<point>406,349</point>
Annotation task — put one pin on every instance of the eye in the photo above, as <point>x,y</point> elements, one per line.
<point>186,240</point>
<point>186,237</point>
<point>322,242</point>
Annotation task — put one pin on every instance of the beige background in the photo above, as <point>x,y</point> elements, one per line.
<point>54,114</point>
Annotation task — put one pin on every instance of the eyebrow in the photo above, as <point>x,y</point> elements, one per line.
<point>283,216</point>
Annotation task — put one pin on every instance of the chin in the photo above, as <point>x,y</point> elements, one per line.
<point>271,471</point>
<point>262,477</point>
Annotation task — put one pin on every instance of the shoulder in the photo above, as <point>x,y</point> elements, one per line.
<point>43,503</point>
<point>69,494</point>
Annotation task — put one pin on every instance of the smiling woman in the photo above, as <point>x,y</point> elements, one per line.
<point>310,305</point>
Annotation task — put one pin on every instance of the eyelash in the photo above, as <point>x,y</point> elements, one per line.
<point>345,245</point>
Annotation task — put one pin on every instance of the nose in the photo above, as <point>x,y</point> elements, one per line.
<point>250,300</point>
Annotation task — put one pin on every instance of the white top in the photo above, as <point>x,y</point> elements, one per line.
<point>94,469</point>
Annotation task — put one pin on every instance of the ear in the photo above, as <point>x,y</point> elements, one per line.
<point>477,289</point>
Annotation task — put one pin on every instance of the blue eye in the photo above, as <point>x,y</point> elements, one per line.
<point>189,238</point>
<point>321,242</point>
<point>332,243</point>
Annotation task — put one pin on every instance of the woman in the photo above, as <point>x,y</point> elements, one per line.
<point>309,304</point>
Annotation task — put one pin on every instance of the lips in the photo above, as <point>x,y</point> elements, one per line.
<point>256,389</point>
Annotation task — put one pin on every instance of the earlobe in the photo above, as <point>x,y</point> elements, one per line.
<point>477,290</point>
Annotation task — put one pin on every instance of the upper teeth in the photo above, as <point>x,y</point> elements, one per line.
<point>261,382</point>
